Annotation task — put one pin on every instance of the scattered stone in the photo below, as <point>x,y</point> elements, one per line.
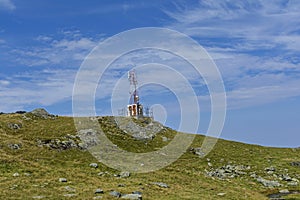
<point>13,187</point>
<point>27,174</point>
<point>253,175</point>
<point>70,189</point>
<point>198,151</point>
<point>228,171</point>
<point>268,183</point>
<point>115,194</point>
<point>69,195</point>
<point>101,173</point>
<point>137,192</point>
<point>121,185</point>
<point>97,197</point>
<point>94,165</point>
<point>165,139</point>
<point>39,197</point>
<point>209,164</point>
<point>124,174</point>
<point>160,184</point>
<point>14,126</point>
<point>16,174</point>
<point>99,191</point>
<point>59,144</point>
<point>295,164</point>
<point>292,183</point>
<point>62,180</point>
<point>284,191</point>
<point>286,177</point>
<point>132,196</point>
<point>221,194</point>
<point>15,146</point>
<point>270,169</point>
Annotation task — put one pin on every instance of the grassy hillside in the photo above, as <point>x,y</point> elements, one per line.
<point>37,152</point>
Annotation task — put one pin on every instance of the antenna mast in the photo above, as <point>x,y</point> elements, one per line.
<point>134,98</point>
<point>134,108</point>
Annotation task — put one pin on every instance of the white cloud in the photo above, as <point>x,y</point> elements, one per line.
<point>255,44</point>
<point>254,22</point>
<point>44,88</point>
<point>7,5</point>
<point>69,50</point>
<point>4,82</point>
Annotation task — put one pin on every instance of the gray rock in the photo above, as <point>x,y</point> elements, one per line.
<point>38,197</point>
<point>292,183</point>
<point>41,113</point>
<point>15,146</point>
<point>101,173</point>
<point>69,195</point>
<point>16,174</point>
<point>63,180</point>
<point>99,191</point>
<point>27,174</point>
<point>70,189</point>
<point>272,169</point>
<point>295,163</point>
<point>286,177</point>
<point>268,183</point>
<point>221,194</point>
<point>97,197</point>
<point>137,192</point>
<point>94,165</point>
<point>253,175</point>
<point>198,151</point>
<point>14,126</point>
<point>124,174</point>
<point>284,191</point>
<point>115,194</point>
<point>160,184</point>
<point>132,196</point>
<point>165,139</point>
<point>139,132</point>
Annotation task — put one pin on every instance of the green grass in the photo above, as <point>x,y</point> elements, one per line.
<point>186,177</point>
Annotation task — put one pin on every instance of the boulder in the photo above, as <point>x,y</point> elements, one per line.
<point>115,194</point>
<point>132,196</point>
<point>14,146</point>
<point>160,184</point>
<point>41,113</point>
<point>94,165</point>
<point>268,183</point>
<point>295,163</point>
<point>62,180</point>
<point>14,126</point>
<point>124,174</point>
<point>99,191</point>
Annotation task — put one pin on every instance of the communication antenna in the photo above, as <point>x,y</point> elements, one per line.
<point>134,98</point>
<point>134,108</point>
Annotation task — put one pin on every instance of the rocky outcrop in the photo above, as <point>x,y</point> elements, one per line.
<point>42,113</point>
<point>228,171</point>
<point>67,142</point>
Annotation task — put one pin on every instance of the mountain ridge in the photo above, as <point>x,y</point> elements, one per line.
<point>36,152</point>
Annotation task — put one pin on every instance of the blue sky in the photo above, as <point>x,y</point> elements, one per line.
<point>255,45</point>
